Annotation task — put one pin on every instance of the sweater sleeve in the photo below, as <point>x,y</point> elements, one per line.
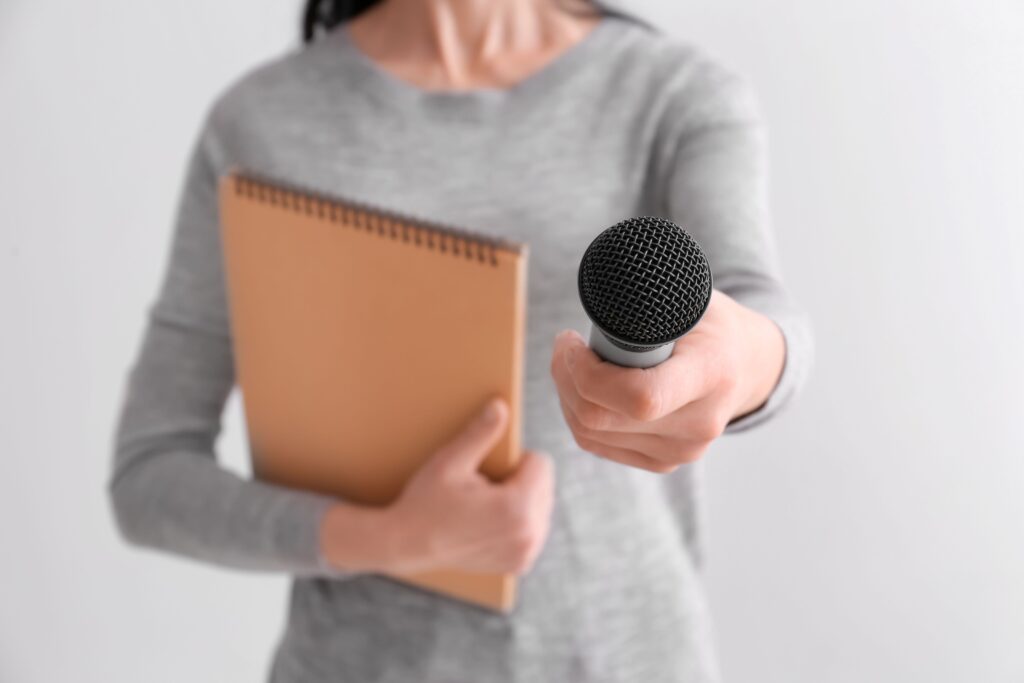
<point>716,188</point>
<point>166,488</point>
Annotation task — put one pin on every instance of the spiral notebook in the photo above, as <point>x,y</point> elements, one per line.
<point>364,340</point>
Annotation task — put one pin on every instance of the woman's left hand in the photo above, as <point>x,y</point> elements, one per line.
<point>659,418</point>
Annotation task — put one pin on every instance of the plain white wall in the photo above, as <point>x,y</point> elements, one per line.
<point>874,533</point>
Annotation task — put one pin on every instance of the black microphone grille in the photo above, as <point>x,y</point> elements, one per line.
<point>645,281</point>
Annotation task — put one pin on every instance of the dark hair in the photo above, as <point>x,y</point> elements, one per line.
<point>323,15</point>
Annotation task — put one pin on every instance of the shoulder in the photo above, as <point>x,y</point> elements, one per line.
<point>280,79</point>
<point>685,80</point>
<point>271,93</point>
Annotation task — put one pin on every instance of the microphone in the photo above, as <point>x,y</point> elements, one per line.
<point>644,283</point>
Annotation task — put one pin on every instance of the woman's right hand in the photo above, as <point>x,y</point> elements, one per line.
<point>449,515</point>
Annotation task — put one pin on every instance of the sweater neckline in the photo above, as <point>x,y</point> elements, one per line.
<point>473,100</point>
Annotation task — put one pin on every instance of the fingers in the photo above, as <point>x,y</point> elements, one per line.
<point>688,442</point>
<point>593,415</point>
<point>651,444</point>
<point>641,395</point>
<point>691,373</point>
<point>626,456</point>
<point>529,498</point>
<point>533,476</point>
<point>644,451</point>
<point>625,391</point>
<point>466,452</point>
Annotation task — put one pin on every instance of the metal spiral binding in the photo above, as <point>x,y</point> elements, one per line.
<point>388,224</point>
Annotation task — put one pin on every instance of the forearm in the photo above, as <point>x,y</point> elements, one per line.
<point>182,502</point>
<point>167,490</point>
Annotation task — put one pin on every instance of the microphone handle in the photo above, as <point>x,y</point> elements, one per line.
<point>607,350</point>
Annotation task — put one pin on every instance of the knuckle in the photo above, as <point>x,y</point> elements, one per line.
<point>523,554</point>
<point>705,433</point>
<point>727,379</point>
<point>592,416</point>
<point>645,404</point>
<point>572,419</point>
<point>678,452</point>
<point>673,451</point>
<point>586,384</point>
<point>585,443</point>
<point>446,476</point>
<point>523,540</point>
<point>692,455</point>
<point>510,508</point>
<point>708,428</point>
<point>663,467</point>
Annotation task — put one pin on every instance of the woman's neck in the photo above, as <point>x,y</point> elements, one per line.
<point>463,44</point>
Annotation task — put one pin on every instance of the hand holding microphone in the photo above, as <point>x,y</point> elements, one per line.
<point>672,360</point>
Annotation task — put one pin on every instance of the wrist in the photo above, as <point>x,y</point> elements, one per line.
<point>765,357</point>
<point>358,538</point>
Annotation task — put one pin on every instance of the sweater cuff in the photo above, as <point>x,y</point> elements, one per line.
<point>298,534</point>
<point>798,348</point>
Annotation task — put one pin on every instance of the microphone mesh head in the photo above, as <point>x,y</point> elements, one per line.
<point>645,282</point>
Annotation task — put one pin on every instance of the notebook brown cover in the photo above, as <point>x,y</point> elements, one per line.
<point>363,341</point>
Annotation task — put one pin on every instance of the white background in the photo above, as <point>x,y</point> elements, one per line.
<point>873,533</point>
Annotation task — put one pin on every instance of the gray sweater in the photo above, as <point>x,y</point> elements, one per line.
<point>627,122</point>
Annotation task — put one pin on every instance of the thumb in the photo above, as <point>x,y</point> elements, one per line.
<point>470,447</point>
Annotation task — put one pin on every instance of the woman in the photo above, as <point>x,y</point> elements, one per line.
<point>543,122</point>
